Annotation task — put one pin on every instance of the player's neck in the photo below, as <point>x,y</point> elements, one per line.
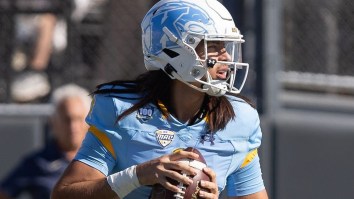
<point>185,102</point>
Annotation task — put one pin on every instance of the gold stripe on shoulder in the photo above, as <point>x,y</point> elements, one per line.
<point>249,157</point>
<point>104,139</point>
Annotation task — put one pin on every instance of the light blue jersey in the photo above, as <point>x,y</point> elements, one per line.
<point>111,146</point>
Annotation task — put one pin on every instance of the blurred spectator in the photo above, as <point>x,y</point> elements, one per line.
<point>38,172</point>
<point>37,32</point>
<point>41,40</point>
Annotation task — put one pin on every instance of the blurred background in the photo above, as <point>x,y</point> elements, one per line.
<point>301,55</point>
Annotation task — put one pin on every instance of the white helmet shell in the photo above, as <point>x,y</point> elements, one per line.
<point>172,29</point>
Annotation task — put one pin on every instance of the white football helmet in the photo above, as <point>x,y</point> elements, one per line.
<point>172,29</point>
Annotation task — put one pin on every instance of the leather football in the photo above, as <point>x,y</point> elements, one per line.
<point>191,191</point>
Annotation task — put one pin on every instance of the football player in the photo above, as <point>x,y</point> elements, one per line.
<point>189,97</point>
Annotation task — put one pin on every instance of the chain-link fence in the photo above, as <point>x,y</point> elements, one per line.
<point>95,41</point>
<point>91,42</point>
<point>319,45</point>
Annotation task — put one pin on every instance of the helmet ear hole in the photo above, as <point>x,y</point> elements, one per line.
<point>170,53</point>
<point>175,35</point>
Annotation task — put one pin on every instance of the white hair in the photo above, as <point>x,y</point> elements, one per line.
<point>70,91</point>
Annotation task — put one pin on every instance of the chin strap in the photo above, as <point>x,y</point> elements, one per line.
<point>214,91</point>
<point>211,90</point>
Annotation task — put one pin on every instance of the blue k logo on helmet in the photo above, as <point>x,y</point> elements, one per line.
<point>178,18</point>
<point>172,30</point>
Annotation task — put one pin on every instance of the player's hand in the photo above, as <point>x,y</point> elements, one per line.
<point>159,169</point>
<point>213,192</point>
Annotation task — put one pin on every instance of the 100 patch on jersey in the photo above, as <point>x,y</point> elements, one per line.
<point>145,113</point>
<point>164,137</point>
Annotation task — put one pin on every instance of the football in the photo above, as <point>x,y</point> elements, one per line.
<point>191,191</point>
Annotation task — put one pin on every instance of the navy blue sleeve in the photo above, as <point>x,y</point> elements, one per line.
<point>17,180</point>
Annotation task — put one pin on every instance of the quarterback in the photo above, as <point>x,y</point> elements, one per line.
<point>189,97</point>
